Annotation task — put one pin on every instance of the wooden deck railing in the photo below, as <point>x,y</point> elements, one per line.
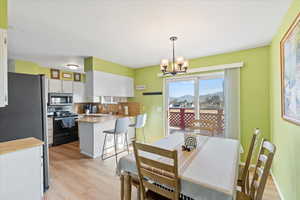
<point>181,117</point>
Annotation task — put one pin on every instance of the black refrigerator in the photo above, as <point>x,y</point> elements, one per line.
<point>26,113</point>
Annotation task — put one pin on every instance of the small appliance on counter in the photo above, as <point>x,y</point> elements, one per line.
<point>90,109</point>
<point>94,109</point>
<point>126,112</point>
<point>87,108</point>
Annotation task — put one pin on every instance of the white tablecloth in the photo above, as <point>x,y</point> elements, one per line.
<point>211,175</point>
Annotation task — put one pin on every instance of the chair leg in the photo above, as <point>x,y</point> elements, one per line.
<point>127,187</point>
<point>116,153</point>
<point>138,189</point>
<point>122,187</point>
<point>103,147</point>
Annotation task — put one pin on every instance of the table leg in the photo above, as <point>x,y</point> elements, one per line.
<point>127,187</point>
<point>122,186</point>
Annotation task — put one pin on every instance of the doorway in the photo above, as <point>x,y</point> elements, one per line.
<point>192,98</point>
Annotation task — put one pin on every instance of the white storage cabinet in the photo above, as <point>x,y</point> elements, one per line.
<point>78,92</point>
<point>107,84</point>
<point>21,174</point>
<point>60,86</point>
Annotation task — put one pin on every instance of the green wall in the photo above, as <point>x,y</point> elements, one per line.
<point>93,63</point>
<point>285,135</point>
<point>3,14</point>
<point>254,91</point>
<point>27,67</point>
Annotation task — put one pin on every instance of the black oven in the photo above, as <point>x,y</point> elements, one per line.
<point>63,134</point>
<point>60,99</point>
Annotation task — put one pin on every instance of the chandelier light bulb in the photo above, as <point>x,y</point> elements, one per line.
<point>180,60</point>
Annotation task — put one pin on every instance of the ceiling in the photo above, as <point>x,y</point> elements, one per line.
<point>136,33</point>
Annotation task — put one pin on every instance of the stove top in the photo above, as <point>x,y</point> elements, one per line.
<point>64,114</point>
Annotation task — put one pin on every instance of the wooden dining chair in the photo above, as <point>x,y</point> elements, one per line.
<point>202,125</point>
<point>134,182</point>
<point>158,180</point>
<point>261,173</point>
<point>243,180</point>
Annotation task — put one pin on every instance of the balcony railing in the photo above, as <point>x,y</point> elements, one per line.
<point>182,117</point>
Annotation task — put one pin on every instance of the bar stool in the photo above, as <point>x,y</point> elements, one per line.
<point>140,122</point>
<point>121,127</point>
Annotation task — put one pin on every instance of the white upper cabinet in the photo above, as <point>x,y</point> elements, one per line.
<point>67,86</point>
<point>107,84</point>
<point>78,92</point>
<point>55,86</point>
<point>3,68</point>
<point>60,86</point>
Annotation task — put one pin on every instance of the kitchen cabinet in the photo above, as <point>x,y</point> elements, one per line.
<point>21,169</point>
<point>60,86</point>
<point>78,92</point>
<point>3,68</point>
<point>91,142</point>
<point>67,86</point>
<point>55,86</point>
<point>107,84</point>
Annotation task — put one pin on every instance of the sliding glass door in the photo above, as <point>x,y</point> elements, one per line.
<point>211,104</point>
<point>181,103</point>
<point>197,97</point>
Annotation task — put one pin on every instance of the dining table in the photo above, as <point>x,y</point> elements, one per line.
<point>208,172</point>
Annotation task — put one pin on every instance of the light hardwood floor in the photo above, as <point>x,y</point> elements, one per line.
<point>77,177</point>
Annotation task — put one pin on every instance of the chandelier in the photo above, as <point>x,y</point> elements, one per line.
<point>177,66</point>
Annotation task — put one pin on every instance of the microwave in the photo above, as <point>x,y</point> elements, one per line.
<point>60,99</point>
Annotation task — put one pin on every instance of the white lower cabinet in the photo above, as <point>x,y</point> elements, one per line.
<point>21,174</point>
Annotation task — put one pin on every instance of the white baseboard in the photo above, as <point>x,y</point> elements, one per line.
<point>277,186</point>
<point>88,154</point>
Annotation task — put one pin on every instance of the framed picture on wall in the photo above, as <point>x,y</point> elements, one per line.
<point>55,73</point>
<point>67,75</point>
<point>77,77</point>
<point>290,73</point>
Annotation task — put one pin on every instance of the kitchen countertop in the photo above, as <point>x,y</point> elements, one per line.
<point>20,144</point>
<point>99,119</point>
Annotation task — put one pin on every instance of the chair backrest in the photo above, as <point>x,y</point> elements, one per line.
<point>141,120</point>
<point>262,170</point>
<point>154,174</point>
<point>122,125</point>
<point>206,125</point>
<point>245,171</point>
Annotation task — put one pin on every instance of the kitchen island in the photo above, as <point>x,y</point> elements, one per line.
<point>91,136</point>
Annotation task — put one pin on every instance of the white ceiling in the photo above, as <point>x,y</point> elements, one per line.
<point>136,33</point>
